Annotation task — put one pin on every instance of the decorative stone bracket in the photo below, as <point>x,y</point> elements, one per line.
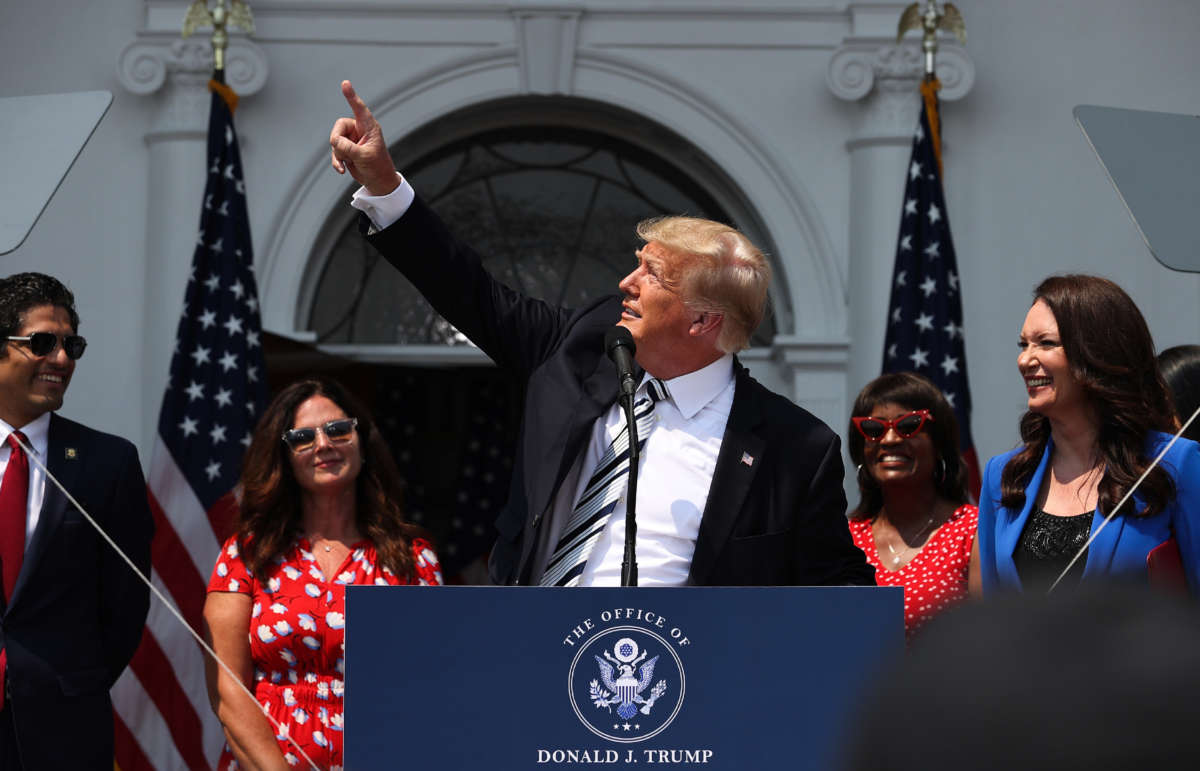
<point>884,76</point>
<point>154,58</point>
<point>862,63</point>
<point>546,43</point>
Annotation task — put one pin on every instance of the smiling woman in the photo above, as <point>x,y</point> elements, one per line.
<point>913,521</point>
<point>1098,413</point>
<point>320,509</point>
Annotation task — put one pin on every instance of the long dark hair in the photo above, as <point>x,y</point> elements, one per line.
<point>1111,354</point>
<point>912,392</point>
<point>268,519</point>
<point>1180,367</point>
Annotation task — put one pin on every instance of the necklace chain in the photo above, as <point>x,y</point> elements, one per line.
<point>899,555</point>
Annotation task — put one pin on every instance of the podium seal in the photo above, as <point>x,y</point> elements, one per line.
<point>626,684</point>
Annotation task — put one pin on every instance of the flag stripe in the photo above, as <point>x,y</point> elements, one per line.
<point>151,735</point>
<point>158,680</point>
<point>183,509</point>
<point>187,660</point>
<point>129,756</point>
<point>174,568</point>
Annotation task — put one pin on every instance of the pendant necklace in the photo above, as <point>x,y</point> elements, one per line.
<point>899,555</point>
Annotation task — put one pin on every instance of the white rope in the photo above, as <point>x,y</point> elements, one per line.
<point>1120,503</point>
<point>29,453</point>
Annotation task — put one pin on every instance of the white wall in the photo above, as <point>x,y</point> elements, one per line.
<point>1026,196</point>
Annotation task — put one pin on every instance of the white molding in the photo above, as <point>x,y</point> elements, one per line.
<point>810,353</point>
<point>546,41</point>
<point>863,62</point>
<point>884,77</point>
<point>144,64</point>
<point>155,60</point>
<point>810,273</point>
<point>411,355</point>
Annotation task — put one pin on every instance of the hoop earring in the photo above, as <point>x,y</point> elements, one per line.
<point>943,471</point>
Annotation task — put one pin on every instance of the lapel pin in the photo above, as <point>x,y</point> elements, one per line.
<point>72,454</point>
<point>748,459</point>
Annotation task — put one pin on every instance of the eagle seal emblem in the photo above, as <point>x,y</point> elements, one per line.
<point>626,690</point>
<point>626,684</point>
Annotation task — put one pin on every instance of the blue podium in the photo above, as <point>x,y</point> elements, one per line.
<point>526,677</point>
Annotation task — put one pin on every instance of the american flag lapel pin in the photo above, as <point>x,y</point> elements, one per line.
<point>71,453</point>
<point>748,459</point>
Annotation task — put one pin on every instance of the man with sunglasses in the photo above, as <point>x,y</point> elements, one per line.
<point>72,610</point>
<point>738,486</point>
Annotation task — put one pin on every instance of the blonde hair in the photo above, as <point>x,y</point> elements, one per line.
<point>716,270</point>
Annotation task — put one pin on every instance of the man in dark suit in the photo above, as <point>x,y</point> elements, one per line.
<point>738,486</point>
<point>73,611</point>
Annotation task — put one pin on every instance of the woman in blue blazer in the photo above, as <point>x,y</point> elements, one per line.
<point>1098,413</point>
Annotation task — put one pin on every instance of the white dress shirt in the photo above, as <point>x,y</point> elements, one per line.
<point>383,210</point>
<point>37,436</point>
<point>675,471</point>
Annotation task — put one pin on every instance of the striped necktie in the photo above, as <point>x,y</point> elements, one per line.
<point>604,489</point>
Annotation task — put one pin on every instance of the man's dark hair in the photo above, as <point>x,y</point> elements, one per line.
<point>22,292</point>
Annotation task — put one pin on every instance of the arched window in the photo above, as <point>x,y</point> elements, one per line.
<point>551,207</point>
<point>549,191</point>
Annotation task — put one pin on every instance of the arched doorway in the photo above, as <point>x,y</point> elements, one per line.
<point>549,191</point>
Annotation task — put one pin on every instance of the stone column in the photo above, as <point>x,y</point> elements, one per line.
<point>174,74</point>
<point>884,78</point>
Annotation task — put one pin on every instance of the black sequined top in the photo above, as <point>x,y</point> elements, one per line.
<point>1046,546</point>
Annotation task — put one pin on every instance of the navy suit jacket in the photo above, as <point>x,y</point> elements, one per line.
<point>776,509</point>
<point>1122,546</point>
<point>77,610</point>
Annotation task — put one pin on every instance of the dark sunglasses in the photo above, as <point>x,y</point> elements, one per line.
<point>874,429</point>
<point>44,343</point>
<point>336,431</point>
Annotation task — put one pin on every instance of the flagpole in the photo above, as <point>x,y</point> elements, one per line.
<point>219,18</point>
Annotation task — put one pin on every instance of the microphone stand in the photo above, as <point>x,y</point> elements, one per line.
<point>629,570</point>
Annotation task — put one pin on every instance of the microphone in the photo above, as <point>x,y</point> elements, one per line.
<point>619,346</point>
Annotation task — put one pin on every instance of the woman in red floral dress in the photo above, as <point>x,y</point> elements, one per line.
<point>320,510</point>
<point>913,521</point>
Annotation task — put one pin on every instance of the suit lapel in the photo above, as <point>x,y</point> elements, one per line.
<point>738,461</point>
<point>1009,532</point>
<point>598,392</point>
<point>1100,553</point>
<point>54,503</point>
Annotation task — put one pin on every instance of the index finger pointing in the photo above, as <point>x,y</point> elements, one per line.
<point>361,113</point>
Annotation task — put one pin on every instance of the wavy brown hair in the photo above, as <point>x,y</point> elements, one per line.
<point>268,519</point>
<point>912,392</point>
<point>1111,354</point>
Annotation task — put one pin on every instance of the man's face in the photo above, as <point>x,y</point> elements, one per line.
<point>653,313</point>
<point>31,385</point>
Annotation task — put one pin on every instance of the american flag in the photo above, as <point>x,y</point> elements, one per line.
<point>216,389</point>
<point>924,327</point>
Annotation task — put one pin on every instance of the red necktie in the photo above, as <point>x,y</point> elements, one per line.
<point>14,497</point>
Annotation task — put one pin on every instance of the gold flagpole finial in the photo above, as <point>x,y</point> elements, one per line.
<point>219,18</point>
<point>930,21</point>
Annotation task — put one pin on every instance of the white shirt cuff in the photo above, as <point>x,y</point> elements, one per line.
<point>383,210</point>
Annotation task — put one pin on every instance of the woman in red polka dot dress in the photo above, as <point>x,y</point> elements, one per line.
<point>320,510</point>
<point>913,521</point>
